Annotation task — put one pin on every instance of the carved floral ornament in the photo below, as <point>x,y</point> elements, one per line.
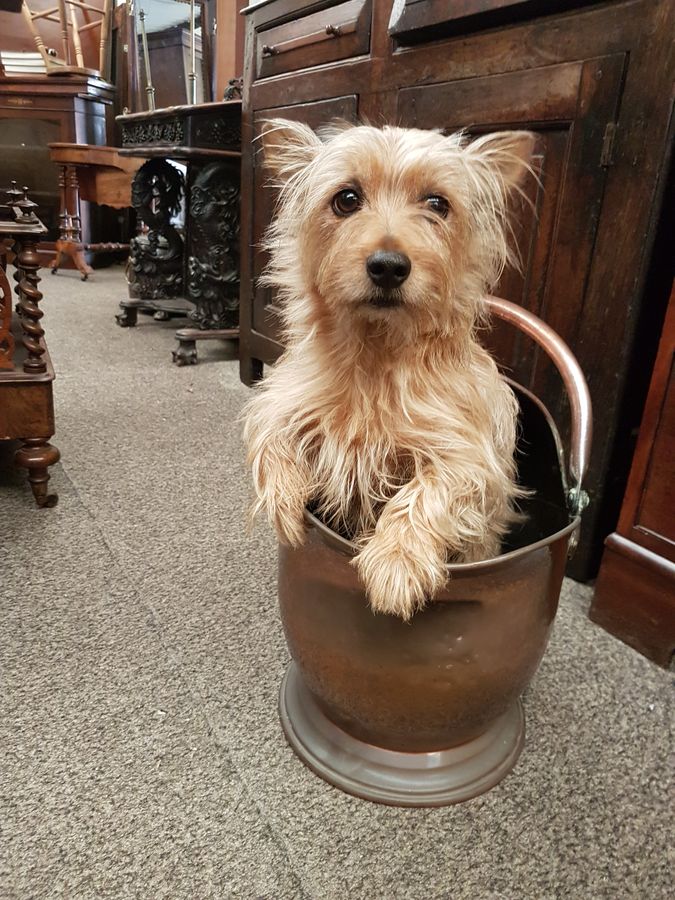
<point>169,131</point>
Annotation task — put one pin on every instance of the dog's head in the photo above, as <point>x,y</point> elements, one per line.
<point>400,227</point>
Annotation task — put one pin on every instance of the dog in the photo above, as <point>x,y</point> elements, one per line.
<point>385,413</point>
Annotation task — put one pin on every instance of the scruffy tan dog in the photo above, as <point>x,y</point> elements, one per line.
<point>385,413</point>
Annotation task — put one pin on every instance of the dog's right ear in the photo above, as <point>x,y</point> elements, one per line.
<point>288,147</point>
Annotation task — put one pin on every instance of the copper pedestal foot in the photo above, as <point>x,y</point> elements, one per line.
<point>438,778</point>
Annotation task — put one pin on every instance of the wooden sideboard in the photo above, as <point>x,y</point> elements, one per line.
<point>635,591</point>
<point>193,271</point>
<point>593,80</point>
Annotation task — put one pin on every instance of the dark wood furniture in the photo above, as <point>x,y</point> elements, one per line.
<point>37,111</point>
<point>96,175</point>
<point>26,372</point>
<point>593,80</point>
<point>635,591</point>
<point>194,273</point>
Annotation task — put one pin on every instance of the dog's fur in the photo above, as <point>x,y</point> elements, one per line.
<point>391,420</point>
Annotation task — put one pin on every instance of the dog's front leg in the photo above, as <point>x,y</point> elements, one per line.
<point>402,563</point>
<point>282,489</point>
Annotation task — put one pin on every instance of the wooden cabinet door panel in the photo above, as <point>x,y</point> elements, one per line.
<point>571,107</point>
<point>655,515</point>
<point>647,513</point>
<point>415,20</point>
<point>265,313</point>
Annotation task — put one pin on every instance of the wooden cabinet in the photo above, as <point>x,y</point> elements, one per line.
<point>593,80</point>
<point>571,107</point>
<point>37,111</point>
<point>635,592</point>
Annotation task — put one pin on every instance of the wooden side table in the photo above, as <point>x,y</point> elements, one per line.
<point>26,372</point>
<point>97,175</point>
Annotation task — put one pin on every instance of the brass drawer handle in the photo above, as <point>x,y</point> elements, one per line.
<point>269,50</point>
<point>334,30</point>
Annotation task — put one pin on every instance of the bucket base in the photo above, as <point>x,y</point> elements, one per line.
<point>438,778</point>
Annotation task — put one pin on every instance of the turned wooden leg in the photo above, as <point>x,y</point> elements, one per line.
<point>70,230</point>
<point>56,262</point>
<point>36,455</point>
<point>28,266</point>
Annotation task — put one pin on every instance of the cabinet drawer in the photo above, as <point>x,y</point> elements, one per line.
<point>337,32</point>
<point>423,20</point>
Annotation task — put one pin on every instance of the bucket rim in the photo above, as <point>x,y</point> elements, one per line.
<point>349,548</point>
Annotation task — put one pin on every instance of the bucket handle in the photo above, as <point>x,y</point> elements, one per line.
<point>575,385</point>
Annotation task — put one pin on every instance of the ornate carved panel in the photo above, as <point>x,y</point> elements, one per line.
<point>156,259</point>
<point>213,263</point>
<point>223,132</point>
<point>170,131</point>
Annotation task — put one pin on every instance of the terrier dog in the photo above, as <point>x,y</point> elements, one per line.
<point>385,413</point>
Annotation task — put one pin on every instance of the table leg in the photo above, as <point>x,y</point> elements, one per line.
<point>70,230</point>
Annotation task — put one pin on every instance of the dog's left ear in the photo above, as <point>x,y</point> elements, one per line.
<point>288,147</point>
<point>507,152</point>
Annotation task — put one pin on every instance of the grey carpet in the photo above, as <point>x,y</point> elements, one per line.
<point>142,652</point>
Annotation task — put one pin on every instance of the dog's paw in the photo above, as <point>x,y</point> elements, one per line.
<point>396,580</point>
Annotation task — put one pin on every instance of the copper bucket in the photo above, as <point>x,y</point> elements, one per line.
<point>428,713</point>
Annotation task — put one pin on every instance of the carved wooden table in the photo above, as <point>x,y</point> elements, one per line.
<point>194,274</point>
<point>26,372</point>
<point>95,174</point>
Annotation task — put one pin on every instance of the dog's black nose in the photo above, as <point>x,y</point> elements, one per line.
<point>388,269</point>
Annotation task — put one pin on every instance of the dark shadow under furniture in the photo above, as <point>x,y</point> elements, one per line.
<point>194,273</point>
<point>26,372</point>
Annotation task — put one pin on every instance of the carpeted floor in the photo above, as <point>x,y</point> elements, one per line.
<point>141,655</point>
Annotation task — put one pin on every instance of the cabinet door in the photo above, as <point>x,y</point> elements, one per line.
<point>24,137</point>
<point>571,107</point>
<point>265,313</point>
<point>647,512</point>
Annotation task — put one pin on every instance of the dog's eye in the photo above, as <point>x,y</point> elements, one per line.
<point>437,204</point>
<point>346,202</point>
